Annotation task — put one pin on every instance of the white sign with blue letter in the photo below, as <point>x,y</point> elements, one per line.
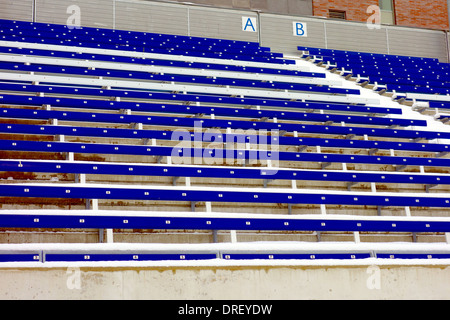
<point>300,29</point>
<point>249,24</point>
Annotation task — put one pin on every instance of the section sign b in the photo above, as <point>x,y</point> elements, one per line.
<point>300,29</point>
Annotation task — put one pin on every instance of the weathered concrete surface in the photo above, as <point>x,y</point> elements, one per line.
<point>228,282</point>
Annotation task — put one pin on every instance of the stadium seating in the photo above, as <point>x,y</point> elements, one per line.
<point>422,80</point>
<point>161,134</point>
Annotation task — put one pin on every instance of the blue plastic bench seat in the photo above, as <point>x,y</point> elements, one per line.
<point>87,148</point>
<point>199,221</point>
<point>413,256</point>
<point>20,257</point>
<point>400,77</point>
<point>398,73</point>
<point>191,98</point>
<point>214,123</point>
<point>382,59</point>
<point>48,254</point>
<point>219,172</point>
<point>416,89</point>
<point>336,256</point>
<point>375,55</point>
<point>429,75</point>
<point>26,25</point>
<point>295,256</point>
<point>139,41</point>
<point>439,105</point>
<point>157,151</point>
<point>134,75</point>
<point>186,195</point>
<point>23,100</point>
<point>157,62</point>
<point>52,130</point>
<point>141,47</point>
<point>36,26</point>
<point>393,63</point>
<point>384,64</point>
<point>148,40</point>
<point>134,256</point>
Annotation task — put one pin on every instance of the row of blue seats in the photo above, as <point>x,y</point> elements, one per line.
<point>179,194</point>
<point>409,66</point>
<point>208,154</point>
<point>52,130</point>
<point>413,79</point>
<point>185,79</point>
<point>420,79</point>
<point>44,256</point>
<point>190,53</point>
<point>138,256</point>
<point>179,122</point>
<point>417,89</point>
<point>54,53</point>
<point>219,172</point>
<point>190,98</point>
<point>439,105</point>
<point>13,113</point>
<point>112,33</point>
<point>143,44</point>
<point>403,70</point>
<point>392,75</point>
<point>27,100</point>
<point>389,77</point>
<point>378,56</point>
<point>394,79</point>
<point>139,41</point>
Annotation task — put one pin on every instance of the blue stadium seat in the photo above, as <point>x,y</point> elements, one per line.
<point>398,73</point>
<point>47,34</point>
<point>161,61</point>
<point>216,123</point>
<point>220,172</point>
<point>160,151</point>
<point>219,137</point>
<point>198,221</point>
<point>191,98</point>
<point>196,110</point>
<point>98,72</point>
<point>91,119</point>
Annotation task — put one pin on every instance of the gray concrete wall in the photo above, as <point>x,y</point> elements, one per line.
<point>290,7</point>
<point>17,10</point>
<point>228,283</point>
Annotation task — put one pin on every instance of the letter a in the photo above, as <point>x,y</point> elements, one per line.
<point>74,21</point>
<point>248,24</point>
<point>374,280</point>
<point>374,21</point>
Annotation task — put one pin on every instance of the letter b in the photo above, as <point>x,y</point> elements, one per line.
<point>300,29</point>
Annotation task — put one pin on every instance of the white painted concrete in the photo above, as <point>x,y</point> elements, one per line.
<point>233,282</point>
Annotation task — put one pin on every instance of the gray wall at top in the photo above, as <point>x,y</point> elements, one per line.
<point>181,19</point>
<point>276,30</point>
<point>17,10</point>
<point>289,7</point>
